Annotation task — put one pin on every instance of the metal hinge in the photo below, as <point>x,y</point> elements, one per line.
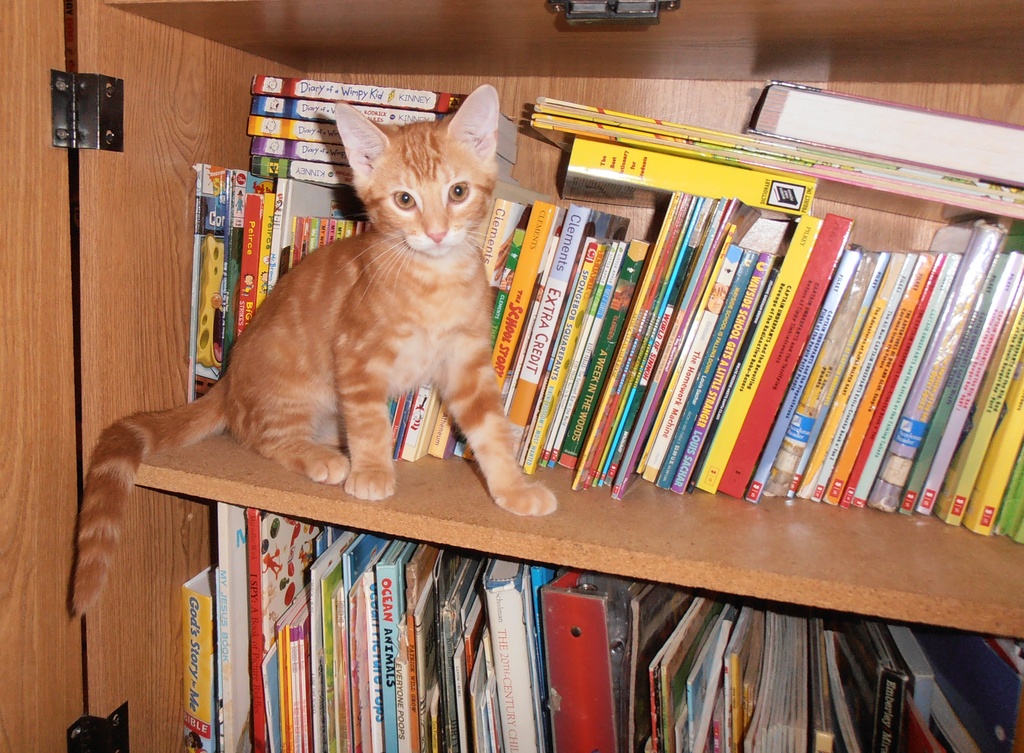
<point>94,734</point>
<point>88,111</point>
<point>619,11</point>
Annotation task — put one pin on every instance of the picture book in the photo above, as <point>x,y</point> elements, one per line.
<point>209,283</point>
<point>390,591</point>
<point>233,626</point>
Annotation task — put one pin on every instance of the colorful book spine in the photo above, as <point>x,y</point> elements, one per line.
<point>578,410</point>
<point>858,373</point>
<point>310,172</point>
<point>1010,521</point>
<point>320,110</point>
<point>887,271</point>
<point>510,329</point>
<point>629,343</point>
<point>892,331</point>
<point>946,409</point>
<point>845,271</point>
<point>359,94</point>
<point>600,169</point>
<point>829,242</point>
<point>390,574</point>
<point>765,336</point>
<point>803,432</point>
<point>991,401</point>
<point>305,151</point>
<point>199,639</point>
<point>992,329</point>
<point>730,329</point>
<point>718,235</point>
<point>985,506</point>
<point>887,492</point>
<point>666,302</point>
<point>295,130</point>
<point>549,307</point>
<point>908,363</point>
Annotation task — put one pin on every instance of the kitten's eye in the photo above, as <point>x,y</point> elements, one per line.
<point>458,192</point>
<point>405,200</point>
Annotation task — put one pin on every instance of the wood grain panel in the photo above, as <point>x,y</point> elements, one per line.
<point>40,646</point>
<point>185,99</point>
<point>859,40</point>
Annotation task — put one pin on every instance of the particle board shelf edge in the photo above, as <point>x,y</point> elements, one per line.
<point>863,561</point>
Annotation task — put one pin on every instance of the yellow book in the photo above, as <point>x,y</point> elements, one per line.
<point>266,244</point>
<point>880,373</point>
<point>198,628</point>
<point>542,217</point>
<point>603,169</point>
<point>284,669</point>
<point>955,503</point>
<point>652,269</point>
<point>766,333</point>
<point>297,130</point>
<point>826,451</point>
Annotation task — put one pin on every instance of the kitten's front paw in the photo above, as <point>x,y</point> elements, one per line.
<point>528,499</point>
<point>374,484</point>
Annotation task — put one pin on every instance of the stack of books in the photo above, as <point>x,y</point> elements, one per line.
<point>362,642</point>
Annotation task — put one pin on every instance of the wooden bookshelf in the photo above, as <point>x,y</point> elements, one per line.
<point>901,568</point>
<point>187,65</point>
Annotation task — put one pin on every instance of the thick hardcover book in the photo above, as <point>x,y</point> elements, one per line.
<point>845,271</point>
<point>892,333</point>
<point>785,354</point>
<point>977,148</point>
<point>766,334</point>
<point>358,94</point>
<point>978,243</point>
<point>600,170</point>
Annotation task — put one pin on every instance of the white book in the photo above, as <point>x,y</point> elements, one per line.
<point>506,619</point>
<point>233,624</point>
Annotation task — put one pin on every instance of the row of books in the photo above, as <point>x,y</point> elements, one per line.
<point>243,241</point>
<point>365,643</point>
<point>841,142</point>
<point>293,132</point>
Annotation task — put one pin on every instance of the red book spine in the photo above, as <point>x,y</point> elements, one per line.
<point>259,709</point>
<point>796,330</point>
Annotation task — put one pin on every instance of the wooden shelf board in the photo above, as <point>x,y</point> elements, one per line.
<point>810,40</point>
<point>896,567</point>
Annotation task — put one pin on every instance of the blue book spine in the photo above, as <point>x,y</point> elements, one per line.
<point>390,576</point>
<point>844,273</point>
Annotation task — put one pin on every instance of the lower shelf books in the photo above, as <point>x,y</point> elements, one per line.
<point>390,646</point>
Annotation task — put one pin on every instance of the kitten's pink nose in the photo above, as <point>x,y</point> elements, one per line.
<point>437,235</point>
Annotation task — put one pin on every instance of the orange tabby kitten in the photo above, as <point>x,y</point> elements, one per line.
<point>356,322</point>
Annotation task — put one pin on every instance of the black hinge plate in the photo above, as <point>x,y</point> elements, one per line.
<point>88,111</point>
<point>94,734</point>
<point>615,11</point>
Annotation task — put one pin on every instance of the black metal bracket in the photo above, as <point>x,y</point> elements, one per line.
<point>88,111</point>
<point>612,11</point>
<point>94,734</point>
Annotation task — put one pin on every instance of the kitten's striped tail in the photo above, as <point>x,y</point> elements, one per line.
<point>120,450</point>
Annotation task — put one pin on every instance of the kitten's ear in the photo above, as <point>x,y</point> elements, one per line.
<point>475,123</point>
<point>364,142</point>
